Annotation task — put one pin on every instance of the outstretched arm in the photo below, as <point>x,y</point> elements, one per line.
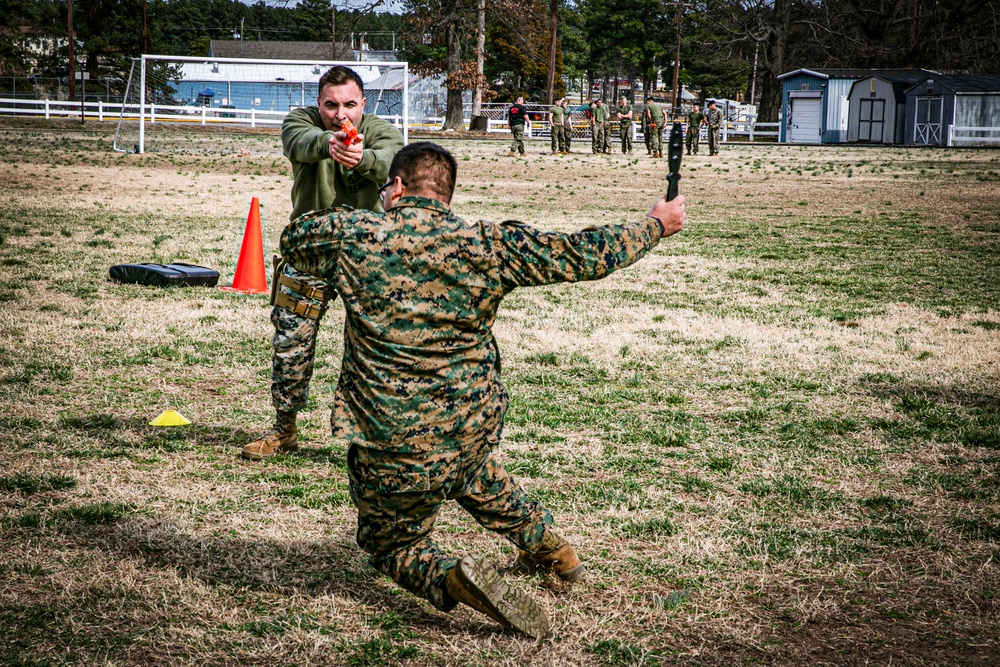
<point>533,257</point>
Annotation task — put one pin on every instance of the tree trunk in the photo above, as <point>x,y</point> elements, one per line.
<point>453,118</point>
<point>477,92</point>
<point>775,48</point>
<point>551,82</point>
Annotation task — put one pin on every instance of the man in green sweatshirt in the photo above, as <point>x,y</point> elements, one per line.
<point>327,172</point>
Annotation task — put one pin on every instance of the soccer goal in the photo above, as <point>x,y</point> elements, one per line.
<point>167,94</point>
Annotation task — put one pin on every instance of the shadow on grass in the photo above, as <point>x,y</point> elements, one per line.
<point>939,413</point>
<point>330,567</point>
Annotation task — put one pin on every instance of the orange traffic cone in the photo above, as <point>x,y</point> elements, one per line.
<point>249,277</point>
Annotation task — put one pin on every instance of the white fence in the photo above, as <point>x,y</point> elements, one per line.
<point>537,129</point>
<point>155,113</point>
<point>973,136</point>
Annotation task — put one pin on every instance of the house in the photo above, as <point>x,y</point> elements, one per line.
<point>877,106</point>
<point>953,110</point>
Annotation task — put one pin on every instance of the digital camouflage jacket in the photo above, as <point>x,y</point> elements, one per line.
<point>421,287</point>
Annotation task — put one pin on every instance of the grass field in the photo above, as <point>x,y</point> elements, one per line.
<point>775,440</point>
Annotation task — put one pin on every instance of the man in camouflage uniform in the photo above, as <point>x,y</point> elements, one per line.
<point>326,173</point>
<point>420,397</point>
<point>598,123</point>
<point>567,125</point>
<point>714,120</point>
<point>556,127</point>
<point>625,125</point>
<point>695,120</point>
<point>657,120</point>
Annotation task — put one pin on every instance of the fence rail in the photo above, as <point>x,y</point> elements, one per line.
<point>537,129</point>
<point>154,113</point>
<point>973,136</point>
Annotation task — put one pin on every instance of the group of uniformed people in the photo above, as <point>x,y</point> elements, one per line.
<point>601,119</point>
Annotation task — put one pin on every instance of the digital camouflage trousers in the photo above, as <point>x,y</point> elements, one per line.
<point>655,138</point>
<point>398,497</point>
<point>559,142</point>
<point>517,146</point>
<point>294,348</point>
<point>625,129</point>
<point>691,139</point>
<point>597,138</point>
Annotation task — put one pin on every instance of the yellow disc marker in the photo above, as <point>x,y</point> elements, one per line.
<point>170,418</point>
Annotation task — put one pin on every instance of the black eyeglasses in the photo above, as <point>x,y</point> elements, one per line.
<point>382,189</point>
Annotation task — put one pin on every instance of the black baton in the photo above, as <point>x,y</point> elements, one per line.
<point>675,148</point>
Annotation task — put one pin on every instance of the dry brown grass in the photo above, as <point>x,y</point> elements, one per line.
<point>774,440</point>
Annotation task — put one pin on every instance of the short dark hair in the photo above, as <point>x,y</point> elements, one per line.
<point>338,76</point>
<point>426,167</point>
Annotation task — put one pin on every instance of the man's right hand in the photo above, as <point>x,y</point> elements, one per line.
<point>671,214</point>
<point>349,156</point>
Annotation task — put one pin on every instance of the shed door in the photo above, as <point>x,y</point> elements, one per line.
<point>872,120</point>
<point>804,120</point>
<point>927,129</point>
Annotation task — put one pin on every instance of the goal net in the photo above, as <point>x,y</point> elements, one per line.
<point>171,95</point>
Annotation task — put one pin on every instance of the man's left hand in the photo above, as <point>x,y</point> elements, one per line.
<point>349,156</point>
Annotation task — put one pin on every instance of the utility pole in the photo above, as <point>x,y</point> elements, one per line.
<point>145,31</point>
<point>677,57</point>
<point>333,34</point>
<point>241,36</point>
<point>72,63</point>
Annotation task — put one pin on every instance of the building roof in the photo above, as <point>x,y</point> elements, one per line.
<point>900,79</point>
<point>965,83</point>
<point>235,48</point>
<point>890,75</point>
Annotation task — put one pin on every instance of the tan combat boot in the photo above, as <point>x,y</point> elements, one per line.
<point>476,583</point>
<point>555,555</point>
<point>512,154</point>
<point>283,437</point>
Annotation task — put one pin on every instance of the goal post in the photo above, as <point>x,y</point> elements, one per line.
<point>170,93</point>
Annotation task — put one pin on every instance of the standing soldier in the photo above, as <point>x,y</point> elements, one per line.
<point>598,118</point>
<point>714,126</point>
<point>568,127</point>
<point>657,119</point>
<point>625,125</point>
<point>517,115</point>
<point>556,127</point>
<point>326,173</point>
<point>695,120</point>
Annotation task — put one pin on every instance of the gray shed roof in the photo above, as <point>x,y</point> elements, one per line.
<point>964,83</point>
<point>234,48</point>
<point>901,79</point>
<point>891,75</point>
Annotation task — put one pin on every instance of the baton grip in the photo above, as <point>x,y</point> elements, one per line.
<point>672,182</point>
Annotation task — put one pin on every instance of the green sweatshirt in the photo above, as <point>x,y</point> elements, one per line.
<point>317,181</point>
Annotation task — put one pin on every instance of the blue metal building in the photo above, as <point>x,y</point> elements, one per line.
<point>814,105</point>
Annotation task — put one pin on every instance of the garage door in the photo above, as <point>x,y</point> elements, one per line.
<point>803,121</point>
